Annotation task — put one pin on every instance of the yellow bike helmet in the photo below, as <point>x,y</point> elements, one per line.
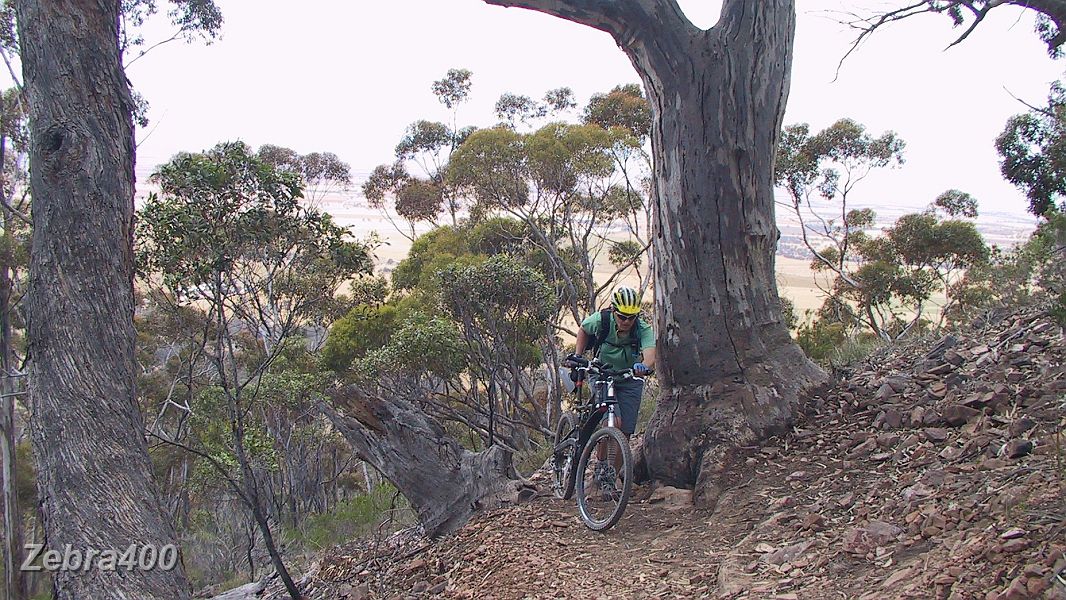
<point>626,301</point>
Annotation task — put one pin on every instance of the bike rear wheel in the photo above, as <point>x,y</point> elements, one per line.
<point>563,459</point>
<point>603,486</point>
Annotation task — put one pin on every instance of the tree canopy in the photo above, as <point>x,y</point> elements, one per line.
<point>1032,148</point>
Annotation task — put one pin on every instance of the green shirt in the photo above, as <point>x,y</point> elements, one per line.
<point>618,351</point>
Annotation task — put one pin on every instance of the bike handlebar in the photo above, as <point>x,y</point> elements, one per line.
<point>598,367</point>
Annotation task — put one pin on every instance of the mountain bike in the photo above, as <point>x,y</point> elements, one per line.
<point>593,460</point>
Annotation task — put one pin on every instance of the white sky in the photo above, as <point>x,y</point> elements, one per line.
<point>348,77</point>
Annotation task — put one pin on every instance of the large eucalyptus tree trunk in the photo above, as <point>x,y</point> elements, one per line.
<point>729,369</point>
<point>93,473</point>
<point>445,483</point>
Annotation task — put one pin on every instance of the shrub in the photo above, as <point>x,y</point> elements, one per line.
<point>350,519</point>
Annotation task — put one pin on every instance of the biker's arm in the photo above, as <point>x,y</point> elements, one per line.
<point>649,358</point>
<point>582,341</point>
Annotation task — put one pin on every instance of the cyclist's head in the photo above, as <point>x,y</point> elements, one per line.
<point>626,301</point>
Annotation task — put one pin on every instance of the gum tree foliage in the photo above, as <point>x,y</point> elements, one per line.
<point>413,346</point>
<point>898,271</point>
<point>412,397</point>
<point>467,356</point>
<point>514,109</point>
<point>510,173</point>
<point>228,236</point>
<point>365,329</point>
<point>427,145</point>
<point>820,173</point>
<point>944,241</point>
<point>955,203</point>
<point>624,107</point>
<point>501,306</point>
<point>880,282</point>
<point>321,173</point>
<point>1032,271</point>
<point>1032,148</point>
<point>301,465</point>
<point>562,183</point>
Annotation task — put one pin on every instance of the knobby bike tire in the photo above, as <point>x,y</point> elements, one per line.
<point>563,461</point>
<point>583,509</point>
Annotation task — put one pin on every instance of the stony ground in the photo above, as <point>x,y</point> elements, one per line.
<point>932,471</point>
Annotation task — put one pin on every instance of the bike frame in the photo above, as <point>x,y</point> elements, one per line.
<point>590,421</point>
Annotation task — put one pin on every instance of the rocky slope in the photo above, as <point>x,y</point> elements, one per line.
<point>933,470</point>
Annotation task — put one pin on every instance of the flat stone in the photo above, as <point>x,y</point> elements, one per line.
<point>935,434</point>
<point>917,491</point>
<point>893,418</point>
<point>1036,585</point>
<point>943,369</point>
<point>788,554</point>
<point>954,358</point>
<point>957,415</point>
<point>900,575</point>
<point>1018,448</point>
<point>860,540</point>
<point>1016,545</point>
<point>1013,534</point>
<point>1021,426</point>
<point>1015,591</point>
<point>671,496</point>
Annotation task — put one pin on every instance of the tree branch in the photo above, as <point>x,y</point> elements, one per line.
<point>623,20</point>
<point>1055,10</point>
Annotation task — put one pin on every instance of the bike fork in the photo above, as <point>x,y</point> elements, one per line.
<point>612,420</point>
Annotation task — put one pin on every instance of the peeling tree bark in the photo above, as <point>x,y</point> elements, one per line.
<point>93,473</point>
<point>730,371</point>
<point>445,483</point>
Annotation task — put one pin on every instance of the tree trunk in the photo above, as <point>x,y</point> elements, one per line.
<point>14,578</point>
<point>730,371</point>
<point>251,491</point>
<point>10,385</point>
<point>445,483</point>
<point>93,472</point>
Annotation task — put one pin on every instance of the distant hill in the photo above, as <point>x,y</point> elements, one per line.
<point>1001,228</point>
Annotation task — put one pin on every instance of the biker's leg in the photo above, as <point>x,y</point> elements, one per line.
<point>628,394</point>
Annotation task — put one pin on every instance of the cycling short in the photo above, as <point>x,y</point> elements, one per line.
<point>628,393</point>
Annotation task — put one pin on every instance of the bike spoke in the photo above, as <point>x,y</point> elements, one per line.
<point>564,456</point>
<point>604,479</point>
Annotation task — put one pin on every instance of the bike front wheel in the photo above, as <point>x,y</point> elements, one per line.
<point>604,478</point>
<point>564,456</point>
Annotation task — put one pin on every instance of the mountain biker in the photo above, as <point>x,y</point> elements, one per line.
<point>628,342</point>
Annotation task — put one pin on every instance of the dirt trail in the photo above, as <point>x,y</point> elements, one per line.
<point>660,549</point>
<point>936,470</point>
